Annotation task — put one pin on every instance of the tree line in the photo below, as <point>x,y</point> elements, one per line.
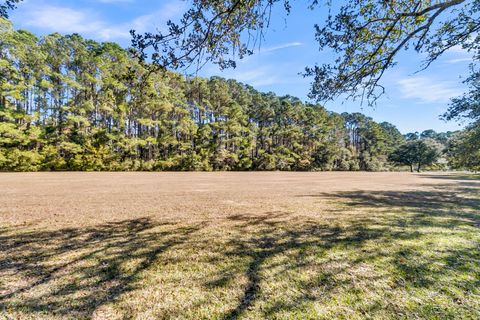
<point>69,103</point>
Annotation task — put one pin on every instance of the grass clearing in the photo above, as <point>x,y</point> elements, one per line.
<point>239,246</point>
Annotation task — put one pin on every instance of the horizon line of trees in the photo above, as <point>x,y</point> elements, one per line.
<point>68,103</point>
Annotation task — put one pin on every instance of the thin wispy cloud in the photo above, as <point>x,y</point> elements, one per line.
<point>460,60</point>
<point>158,19</point>
<point>259,52</point>
<point>89,23</point>
<point>280,47</point>
<point>457,54</point>
<point>428,90</point>
<point>262,74</point>
<point>47,17</point>
<point>457,49</point>
<point>256,77</point>
<point>260,69</point>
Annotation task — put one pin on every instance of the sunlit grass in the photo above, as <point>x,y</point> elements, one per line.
<point>410,254</point>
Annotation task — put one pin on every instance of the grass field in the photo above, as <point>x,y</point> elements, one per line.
<point>239,246</point>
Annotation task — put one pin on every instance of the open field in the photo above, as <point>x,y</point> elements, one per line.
<point>239,246</point>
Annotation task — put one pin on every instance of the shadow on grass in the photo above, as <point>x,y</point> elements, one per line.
<point>392,217</point>
<point>71,272</point>
<point>453,176</point>
<point>379,236</point>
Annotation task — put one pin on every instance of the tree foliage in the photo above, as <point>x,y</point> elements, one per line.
<point>366,36</point>
<point>419,153</point>
<point>463,151</point>
<point>209,31</point>
<point>7,5</point>
<point>68,103</point>
<point>468,105</point>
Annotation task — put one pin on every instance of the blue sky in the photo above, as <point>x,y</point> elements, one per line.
<point>413,101</point>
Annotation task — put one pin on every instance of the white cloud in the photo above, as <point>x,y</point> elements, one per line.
<point>259,73</point>
<point>457,54</point>
<point>280,47</point>
<point>458,49</point>
<point>459,60</point>
<point>263,69</point>
<point>256,77</point>
<point>428,90</point>
<point>158,19</point>
<point>61,19</point>
<point>51,18</point>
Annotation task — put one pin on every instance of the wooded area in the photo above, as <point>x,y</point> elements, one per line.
<point>68,103</point>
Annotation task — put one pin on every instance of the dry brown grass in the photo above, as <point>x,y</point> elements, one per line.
<point>239,245</point>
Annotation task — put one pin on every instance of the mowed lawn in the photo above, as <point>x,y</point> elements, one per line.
<point>239,246</point>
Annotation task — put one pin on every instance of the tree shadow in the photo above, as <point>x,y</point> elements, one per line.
<point>72,272</point>
<point>457,203</point>
<point>374,238</point>
<point>464,180</point>
<point>385,225</point>
<point>455,176</point>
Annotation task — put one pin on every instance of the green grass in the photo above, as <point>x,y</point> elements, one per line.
<point>382,255</point>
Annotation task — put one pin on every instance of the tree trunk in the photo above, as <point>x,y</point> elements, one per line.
<point>411,167</point>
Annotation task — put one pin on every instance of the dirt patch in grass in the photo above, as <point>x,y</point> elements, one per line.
<point>239,246</point>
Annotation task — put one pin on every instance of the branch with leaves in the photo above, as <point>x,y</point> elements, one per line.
<point>7,5</point>
<point>210,31</point>
<point>368,35</point>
